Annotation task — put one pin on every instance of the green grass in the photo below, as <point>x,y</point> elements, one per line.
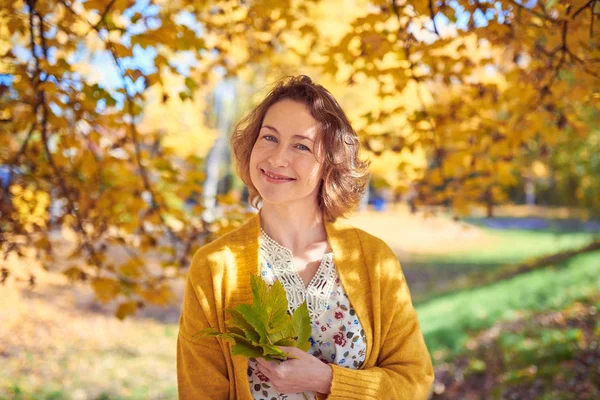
<point>432,275</point>
<point>545,348</point>
<point>133,360</point>
<point>510,247</point>
<point>448,321</point>
<point>20,392</point>
<point>543,355</point>
<point>17,393</point>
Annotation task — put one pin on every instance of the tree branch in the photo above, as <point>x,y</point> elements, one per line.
<point>578,60</point>
<point>592,20</point>
<point>583,7</point>
<point>432,14</point>
<point>23,148</point>
<point>532,12</point>
<point>101,20</point>
<point>155,206</point>
<point>44,125</point>
<point>69,8</point>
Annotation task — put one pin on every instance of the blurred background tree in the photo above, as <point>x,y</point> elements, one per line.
<point>109,109</point>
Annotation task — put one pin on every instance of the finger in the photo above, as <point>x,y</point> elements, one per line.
<point>261,361</point>
<point>265,364</point>
<point>294,352</point>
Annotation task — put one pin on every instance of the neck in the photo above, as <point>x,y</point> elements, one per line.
<point>294,227</point>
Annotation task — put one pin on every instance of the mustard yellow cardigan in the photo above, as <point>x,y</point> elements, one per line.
<point>397,363</point>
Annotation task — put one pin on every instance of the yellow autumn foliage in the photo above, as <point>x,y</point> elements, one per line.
<point>105,110</point>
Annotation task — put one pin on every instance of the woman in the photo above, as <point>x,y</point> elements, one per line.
<point>298,155</point>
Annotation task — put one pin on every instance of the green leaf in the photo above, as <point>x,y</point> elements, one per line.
<point>244,349</point>
<point>256,318</point>
<point>287,332</point>
<point>237,338</point>
<point>259,291</point>
<point>207,332</point>
<point>238,320</point>
<point>286,342</point>
<point>277,306</point>
<point>301,323</point>
<point>237,331</point>
<point>272,350</point>
<point>257,329</point>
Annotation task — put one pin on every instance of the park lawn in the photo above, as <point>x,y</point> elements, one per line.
<point>511,246</point>
<point>541,355</point>
<point>433,274</point>
<point>448,321</point>
<point>91,357</point>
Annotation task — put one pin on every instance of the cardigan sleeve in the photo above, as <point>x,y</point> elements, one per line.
<point>201,366</point>
<point>403,369</point>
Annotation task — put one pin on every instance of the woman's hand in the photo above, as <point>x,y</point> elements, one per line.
<point>301,374</point>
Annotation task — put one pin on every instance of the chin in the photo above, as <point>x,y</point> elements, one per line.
<point>274,199</point>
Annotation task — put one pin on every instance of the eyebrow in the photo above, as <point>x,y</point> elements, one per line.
<point>297,136</point>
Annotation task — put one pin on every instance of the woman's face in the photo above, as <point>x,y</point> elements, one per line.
<point>283,165</point>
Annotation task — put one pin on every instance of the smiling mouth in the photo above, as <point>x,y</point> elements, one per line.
<point>276,177</point>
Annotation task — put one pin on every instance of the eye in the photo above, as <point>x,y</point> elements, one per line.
<point>302,147</point>
<point>270,138</point>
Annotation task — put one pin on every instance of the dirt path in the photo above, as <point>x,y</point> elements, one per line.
<point>418,233</point>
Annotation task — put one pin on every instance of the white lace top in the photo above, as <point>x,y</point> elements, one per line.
<point>337,335</point>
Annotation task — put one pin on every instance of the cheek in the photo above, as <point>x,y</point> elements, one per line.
<point>259,151</point>
<point>254,155</point>
<point>315,173</point>
<point>252,165</point>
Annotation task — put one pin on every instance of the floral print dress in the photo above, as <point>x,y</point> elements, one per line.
<point>337,335</point>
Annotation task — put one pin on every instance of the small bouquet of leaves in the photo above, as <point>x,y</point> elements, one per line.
<point>257,329</point>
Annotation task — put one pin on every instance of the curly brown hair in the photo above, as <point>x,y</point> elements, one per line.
<point>345,176</point>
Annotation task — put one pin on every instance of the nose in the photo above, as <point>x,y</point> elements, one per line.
<point>279,157</point>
